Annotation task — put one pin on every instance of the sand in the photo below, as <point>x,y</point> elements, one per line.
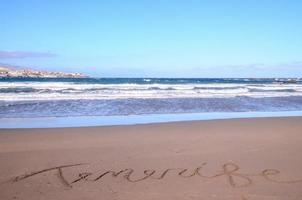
<point>238,159</point>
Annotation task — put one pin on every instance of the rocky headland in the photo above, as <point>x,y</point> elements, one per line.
<point>12,72</point>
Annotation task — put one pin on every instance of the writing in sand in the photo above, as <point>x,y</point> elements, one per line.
<point>229,172</point>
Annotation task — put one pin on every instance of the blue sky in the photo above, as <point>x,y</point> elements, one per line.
<point>158,38</point>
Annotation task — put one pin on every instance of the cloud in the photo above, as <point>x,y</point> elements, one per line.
<point>24,54</point>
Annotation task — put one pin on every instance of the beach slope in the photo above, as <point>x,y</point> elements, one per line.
<point>244,159</point>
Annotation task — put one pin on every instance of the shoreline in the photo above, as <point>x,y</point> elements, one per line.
<point>230,159</point>
<point>92,121</point>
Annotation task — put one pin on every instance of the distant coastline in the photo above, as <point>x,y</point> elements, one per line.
<point>13,72</point>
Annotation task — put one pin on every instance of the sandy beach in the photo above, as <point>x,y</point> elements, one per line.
<point>238,159</point>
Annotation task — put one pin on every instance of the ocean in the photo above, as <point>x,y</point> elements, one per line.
<point>68,97</point>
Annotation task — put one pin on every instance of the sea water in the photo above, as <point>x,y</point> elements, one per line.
<point>24,98</point>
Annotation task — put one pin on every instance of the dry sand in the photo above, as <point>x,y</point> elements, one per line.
<point>241,159</point>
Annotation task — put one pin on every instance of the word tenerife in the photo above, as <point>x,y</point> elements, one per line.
<point>230,172</point>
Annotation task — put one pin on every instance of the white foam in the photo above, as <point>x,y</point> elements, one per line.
<point>65,91</point>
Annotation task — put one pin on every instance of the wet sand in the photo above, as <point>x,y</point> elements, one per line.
<point>244,159</point>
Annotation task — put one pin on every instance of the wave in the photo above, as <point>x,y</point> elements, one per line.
<point>18,90</point>
<point>218,88</point>
<point>14,91</point>
<point>272,90</point>
<point>144,96</point>
<point>83,107</point>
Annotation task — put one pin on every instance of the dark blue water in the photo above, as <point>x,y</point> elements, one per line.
<point>155,80</point>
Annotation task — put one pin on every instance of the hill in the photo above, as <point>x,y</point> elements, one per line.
<point>15,71</point>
